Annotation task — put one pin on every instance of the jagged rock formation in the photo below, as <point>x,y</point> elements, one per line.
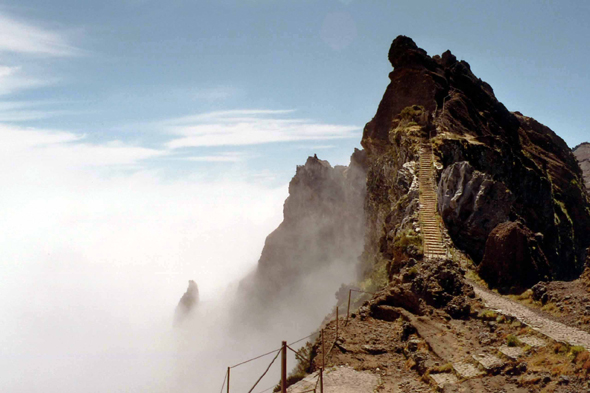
<point>491,165</point>
<point>187,302</point>
<point>472,204</point>
<point>323,223</point>
<point>582,153</point>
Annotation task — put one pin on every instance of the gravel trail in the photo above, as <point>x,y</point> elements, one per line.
<point>339,380</point>
<point>552,329</point>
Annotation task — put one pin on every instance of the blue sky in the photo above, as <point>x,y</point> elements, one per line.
<point>167,80</point>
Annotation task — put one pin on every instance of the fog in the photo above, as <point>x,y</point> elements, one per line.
<point>96,251</point>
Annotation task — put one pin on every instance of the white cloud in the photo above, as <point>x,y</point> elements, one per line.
<point>48,149</point>
<point>13,79</point>
<point>22,37</point>
<point>250,127</point>
<point>93,262</point>
<point>222,157</point>
<point>17,111</point>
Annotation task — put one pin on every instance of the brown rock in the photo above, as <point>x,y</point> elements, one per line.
<point>582,153</point>
<point>385,313</point>
<point>513,258</point>
<point>541,181</point>
<point>398,296</point>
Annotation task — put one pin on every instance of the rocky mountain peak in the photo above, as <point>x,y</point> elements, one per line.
<point>405,53</point>
<point>492,167</point>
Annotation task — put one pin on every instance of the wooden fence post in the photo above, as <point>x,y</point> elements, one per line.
<point>322,380</point>
<point>348,308</point>
<point>284,368</point>
<point>336,337</point>
<point>323,351</point>
<point>228,379</point>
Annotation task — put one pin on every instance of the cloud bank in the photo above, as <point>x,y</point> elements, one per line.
<point>97,250</point>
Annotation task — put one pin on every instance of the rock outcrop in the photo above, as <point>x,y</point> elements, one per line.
<point>323,223</point>
<point>187,302</point>
<point>513,258</point>
<point>491,166</point>
<point>472,204</point>
<point>582,153</point>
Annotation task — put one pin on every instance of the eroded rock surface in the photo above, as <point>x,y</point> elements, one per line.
<point>582,153</point>
<point>471,203</point>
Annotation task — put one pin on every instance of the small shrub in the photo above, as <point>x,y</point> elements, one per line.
<point>409,242</point>
<point>512,341</point>
<point>446,368</point>
<point>576,351</point>
<point>488,315</point>
<point>560,348</point>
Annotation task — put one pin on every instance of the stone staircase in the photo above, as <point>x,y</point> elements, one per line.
<point>433,242</point>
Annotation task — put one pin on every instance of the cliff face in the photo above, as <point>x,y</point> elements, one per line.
<point>492,166</point>
<point>323,223</point>
<point>582,153</point>
<point>503,181</point>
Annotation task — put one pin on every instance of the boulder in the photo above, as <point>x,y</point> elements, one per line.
<point>513,258</point>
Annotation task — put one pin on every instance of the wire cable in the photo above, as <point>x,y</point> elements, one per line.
<point>268,368</point>
<point>257,357</point>
<point>298,356</point>
<point>267,389</point>
<point>301,339</point>
<point>223,385</point>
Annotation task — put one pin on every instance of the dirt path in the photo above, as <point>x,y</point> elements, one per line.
<point>555,330</point>
<point>339,380</point>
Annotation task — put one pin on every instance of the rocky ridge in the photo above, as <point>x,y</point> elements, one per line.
<point>323,223</point>
<point>492,166</point>
<point>455,185</point>
<point>510,206</point>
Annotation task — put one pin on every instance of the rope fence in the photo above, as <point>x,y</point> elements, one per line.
<point>298,356</point>
<point>264,373</point>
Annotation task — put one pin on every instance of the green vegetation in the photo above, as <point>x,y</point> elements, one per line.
<point>412,112</point>
<point>446,368</point>
<point>513,341</point>
<point>488,315</point>
<point>409,243</point>
<point>576,351</point>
